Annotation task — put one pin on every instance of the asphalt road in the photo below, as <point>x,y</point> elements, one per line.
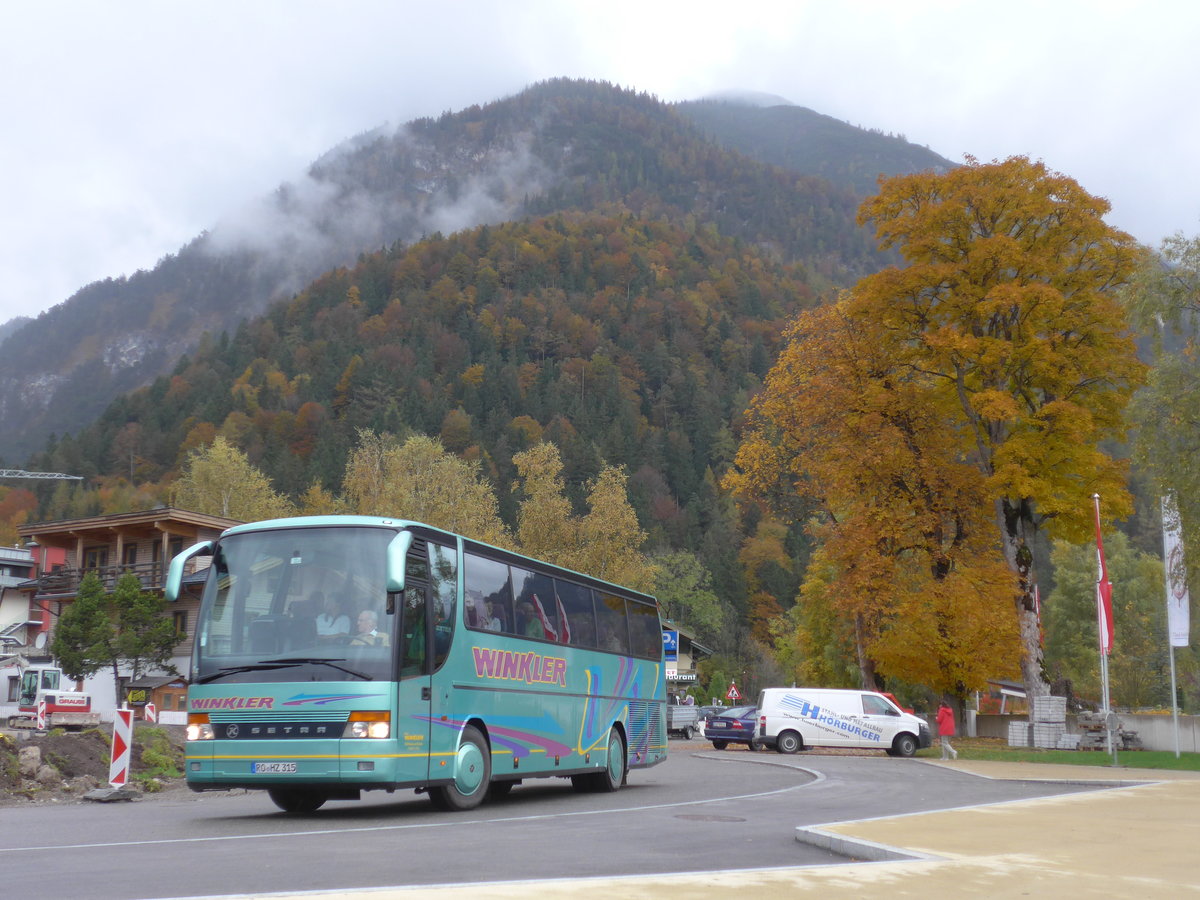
<point>702,810</point>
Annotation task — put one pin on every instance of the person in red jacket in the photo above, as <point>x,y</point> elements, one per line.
<point>945,724</point>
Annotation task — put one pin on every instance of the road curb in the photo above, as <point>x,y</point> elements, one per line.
<point>856,848</point>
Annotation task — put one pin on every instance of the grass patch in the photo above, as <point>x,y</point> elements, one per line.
<point>996,749</point>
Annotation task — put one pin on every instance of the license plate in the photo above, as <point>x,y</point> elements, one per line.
<point>273,768</point>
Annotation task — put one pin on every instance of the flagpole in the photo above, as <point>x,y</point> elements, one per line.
<point>1177,597</point>
<point>1103,636</point>
<point>1174,697</point>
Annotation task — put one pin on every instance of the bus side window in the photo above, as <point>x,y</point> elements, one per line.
<point>443,571</point>
<point>489,579</point>
<point>413,647</point>
<point>644,630</point>
<point>534,601</point>
<point>610,619</point>
<point>577,613</point>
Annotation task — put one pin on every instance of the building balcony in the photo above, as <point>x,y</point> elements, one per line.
<point>65,582</point>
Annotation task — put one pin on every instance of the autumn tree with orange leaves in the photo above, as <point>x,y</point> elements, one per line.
<point>944,410</point>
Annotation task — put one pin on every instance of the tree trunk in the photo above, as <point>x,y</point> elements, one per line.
<point>117,683</point>
<point>1014,523</point>
<point>866,665</point>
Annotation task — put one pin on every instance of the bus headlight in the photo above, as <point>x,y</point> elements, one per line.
<point>369,724</point>
<point>199,728</point>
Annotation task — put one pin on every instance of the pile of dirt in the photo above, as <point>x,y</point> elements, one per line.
<point>62,766</point>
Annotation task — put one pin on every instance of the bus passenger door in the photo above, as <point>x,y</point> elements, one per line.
<point>413,701</point>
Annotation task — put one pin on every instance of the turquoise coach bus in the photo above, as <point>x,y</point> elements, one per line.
<point>340,654</point>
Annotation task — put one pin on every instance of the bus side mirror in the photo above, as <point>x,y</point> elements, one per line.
<point>397,553</point>
<point>174,582</point>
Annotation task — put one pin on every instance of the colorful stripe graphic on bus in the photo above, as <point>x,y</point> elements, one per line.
<point>613,705</point>
<point>522,743</point>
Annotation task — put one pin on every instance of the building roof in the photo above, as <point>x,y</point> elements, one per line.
<point>148,520</point>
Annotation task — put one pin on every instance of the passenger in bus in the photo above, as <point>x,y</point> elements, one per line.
<point>332,623</point>
<point>527,622</point>
<point>368,630</point>
<point>494,620</point>
<point>609,639</point>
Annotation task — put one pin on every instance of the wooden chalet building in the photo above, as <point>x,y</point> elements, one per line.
<point>142,543</point>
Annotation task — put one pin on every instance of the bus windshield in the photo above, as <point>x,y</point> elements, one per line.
<point>296,604</point>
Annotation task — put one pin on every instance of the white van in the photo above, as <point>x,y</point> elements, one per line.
<point>798,718</point>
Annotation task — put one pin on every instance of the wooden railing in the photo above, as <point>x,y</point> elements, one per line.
<point>67,580</point>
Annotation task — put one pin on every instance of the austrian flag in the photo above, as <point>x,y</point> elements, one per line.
<point>1104,613</point>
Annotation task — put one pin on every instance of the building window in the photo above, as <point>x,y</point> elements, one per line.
<point>129,555</point>
<point>180,620</point>
<point>14,688</point>
<point>95,557</point>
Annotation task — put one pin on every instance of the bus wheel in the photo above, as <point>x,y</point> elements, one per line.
<point>472,772</point>
<point>612,776</point>
<point>297,800</point>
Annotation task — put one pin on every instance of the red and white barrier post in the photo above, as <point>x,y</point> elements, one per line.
<point>118,771</point>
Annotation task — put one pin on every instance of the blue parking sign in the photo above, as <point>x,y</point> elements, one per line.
<point>670,646</point>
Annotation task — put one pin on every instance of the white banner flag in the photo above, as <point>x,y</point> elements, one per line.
<point>1178,601</point>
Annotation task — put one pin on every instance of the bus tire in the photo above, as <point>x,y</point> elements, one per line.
<point>612,776</point>
<point>788,742</point>
<point>297,800</point>
<point>472,774</point>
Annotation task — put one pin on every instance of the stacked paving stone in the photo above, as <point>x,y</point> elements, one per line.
<point>1049,721</point>
<point>1018,734</point>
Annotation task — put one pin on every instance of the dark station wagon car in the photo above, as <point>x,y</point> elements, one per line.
<point>737,725</point>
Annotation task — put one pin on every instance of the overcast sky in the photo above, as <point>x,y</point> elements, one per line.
<point>130,127</point>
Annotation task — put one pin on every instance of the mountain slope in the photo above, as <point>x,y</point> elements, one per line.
<point>797,138</point>
<point>623,339</point>
<point>561,145</point>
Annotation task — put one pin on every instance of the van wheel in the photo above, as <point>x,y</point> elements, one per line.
<point>788,742</point>
<point>472,772</point>
<point>904,745</point>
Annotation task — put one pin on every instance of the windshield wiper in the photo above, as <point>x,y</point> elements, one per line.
<point>324,660</point>
<point>284,664</point>
<point>252,667</point>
